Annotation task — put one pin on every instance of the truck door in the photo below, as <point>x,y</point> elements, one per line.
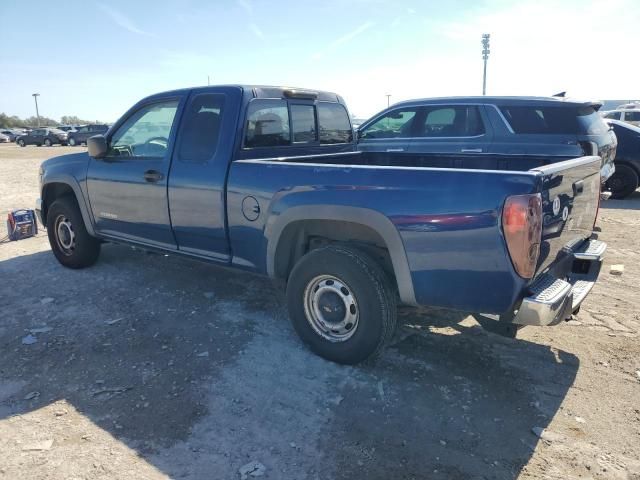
<point>37,137</point>
<point>197,180</point>
<point>128,187</point>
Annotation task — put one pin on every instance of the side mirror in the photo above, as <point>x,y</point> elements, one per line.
<point>97,146</point>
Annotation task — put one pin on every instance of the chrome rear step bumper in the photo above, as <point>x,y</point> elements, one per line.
<point>551,300</point>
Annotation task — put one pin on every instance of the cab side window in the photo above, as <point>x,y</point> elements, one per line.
<point>395,124</point>
<point>146,132</point>
<point>451,121</point>
<point>267,124</point>
<point>201,128</point>
<point>632,116</point>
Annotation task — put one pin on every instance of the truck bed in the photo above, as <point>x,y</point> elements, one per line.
<point>475,161</point>
<point>448,218</point>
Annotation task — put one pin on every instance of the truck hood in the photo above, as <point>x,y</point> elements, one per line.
<point>63,160</point>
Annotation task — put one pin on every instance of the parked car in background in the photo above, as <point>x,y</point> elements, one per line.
<point>67,128</point>
<point>4,138</point>
<point>84,132</point>
<point>268,180</point>
<point>626,178</point>
<point>629,115</point>
<point>489,132</point>
<point>11,133</point>
<point>43,136</point>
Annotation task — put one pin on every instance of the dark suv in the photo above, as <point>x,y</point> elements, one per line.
<point>83,133</point>
<point>43,136</point>
<point>516,128</point>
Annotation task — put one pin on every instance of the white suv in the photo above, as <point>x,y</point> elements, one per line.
<point>629,114</point>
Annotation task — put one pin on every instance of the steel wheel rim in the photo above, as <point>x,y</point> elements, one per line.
<point>331,308</point>
<point>65,236</point>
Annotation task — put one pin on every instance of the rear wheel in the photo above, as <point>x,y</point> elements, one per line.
<point>623,182</point>
<point>341,304</point>
<point>70,242</point>
<point>47,142</point>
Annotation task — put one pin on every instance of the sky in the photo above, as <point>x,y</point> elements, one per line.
<point>95,59</point>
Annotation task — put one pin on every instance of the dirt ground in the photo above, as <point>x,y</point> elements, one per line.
<point>151,366</point>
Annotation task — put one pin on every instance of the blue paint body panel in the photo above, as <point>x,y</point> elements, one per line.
<point>439,216</point>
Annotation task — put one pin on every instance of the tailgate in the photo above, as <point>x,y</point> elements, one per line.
<point>570,196</point>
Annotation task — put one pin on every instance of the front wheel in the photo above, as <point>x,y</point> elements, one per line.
<point>47,142</point>
<point>623,182</point>
<point>72,142</point>
<point>341,304</point>
<point>70,242</point>
<point>22,143</point>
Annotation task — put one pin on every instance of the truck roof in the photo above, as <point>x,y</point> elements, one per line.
<point>498,100</point>
<point>268,91</point>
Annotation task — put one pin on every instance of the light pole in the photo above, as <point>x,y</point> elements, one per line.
<point>388,95</point>
<point>485,57</point>
<point>35,97</point>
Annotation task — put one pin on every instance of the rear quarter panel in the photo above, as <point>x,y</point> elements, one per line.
<point>448,221</point>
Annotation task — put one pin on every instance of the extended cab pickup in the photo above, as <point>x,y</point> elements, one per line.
<point>269,180</point>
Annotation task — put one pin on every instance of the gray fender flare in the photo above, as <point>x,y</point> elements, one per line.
<point>370,218</point>
<point>73,184</point>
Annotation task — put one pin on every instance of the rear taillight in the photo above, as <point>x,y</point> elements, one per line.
<point>522,225</point>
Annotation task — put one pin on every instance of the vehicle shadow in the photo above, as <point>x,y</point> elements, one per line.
<point>144,346</point>
<point>453,401</point>
<point>632,202</point>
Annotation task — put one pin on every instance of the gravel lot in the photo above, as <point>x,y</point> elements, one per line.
<point>150,366</point>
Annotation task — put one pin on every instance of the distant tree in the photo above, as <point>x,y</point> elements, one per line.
<point>13,121</point>
<point>73,120</point>
<point>44,122</point>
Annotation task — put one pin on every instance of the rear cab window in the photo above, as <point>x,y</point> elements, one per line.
<point>334,124</point>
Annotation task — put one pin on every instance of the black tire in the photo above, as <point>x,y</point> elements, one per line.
<point>22,143</point>
<point>47,142</point>
<point>372,297</point>
<point>623,182</point>
<point>79,249</point>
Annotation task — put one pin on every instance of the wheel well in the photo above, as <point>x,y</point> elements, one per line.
<point>52,192</point>
<point>302,236</point>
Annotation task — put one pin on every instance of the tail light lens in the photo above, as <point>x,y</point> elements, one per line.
<point>522,225</point>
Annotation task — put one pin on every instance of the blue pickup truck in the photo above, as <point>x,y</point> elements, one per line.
<point>270,180</point>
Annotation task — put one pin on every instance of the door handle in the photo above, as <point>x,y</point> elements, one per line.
<point>471,150</point>
<point>395,149</point>
<point>153,176</point>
